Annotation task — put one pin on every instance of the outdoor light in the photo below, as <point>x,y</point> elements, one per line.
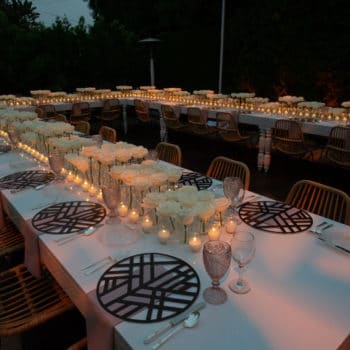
<point>150,42</point>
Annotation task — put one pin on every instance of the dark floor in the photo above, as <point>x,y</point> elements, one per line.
<point>197,153</point>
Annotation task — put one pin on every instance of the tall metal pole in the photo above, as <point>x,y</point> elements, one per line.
<point>151,63</point>
<point>222,45</point>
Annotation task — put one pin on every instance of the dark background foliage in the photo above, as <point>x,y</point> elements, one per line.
<point>272,47</point>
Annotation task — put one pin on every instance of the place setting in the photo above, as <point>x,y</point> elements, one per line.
<point>29,179</point>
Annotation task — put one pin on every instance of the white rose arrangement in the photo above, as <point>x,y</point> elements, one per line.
<point>242,94</point>
<point>345,104</point>
<point>123,87</point>
<point>184,204</point>
<point>311,104</point>
<point>290,99</point>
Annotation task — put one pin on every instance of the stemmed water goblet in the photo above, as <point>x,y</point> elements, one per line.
<point>243,250</point>
<point>111,196</point>
<point>98,140</point>
<point>234,191</point>
<point>125,234</point>
<point>56,162</point>
<point>217,259</point>
<point>13,137</point>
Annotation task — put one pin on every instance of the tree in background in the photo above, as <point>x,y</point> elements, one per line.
<point>272,47</point>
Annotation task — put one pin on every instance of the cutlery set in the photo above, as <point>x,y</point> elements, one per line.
<point>187,319</point>
<point>318,229</point>
<point>97,265</point>
<point>84,232</point>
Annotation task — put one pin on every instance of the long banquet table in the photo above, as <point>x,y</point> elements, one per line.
<point>300,286</point>
<point>263,121</point>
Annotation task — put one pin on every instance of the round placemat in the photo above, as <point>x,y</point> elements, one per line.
<point>275,217</point>
<point>68,217</point>
<point>23,179</point>
<point>202,182</point>
<point>159,285</point>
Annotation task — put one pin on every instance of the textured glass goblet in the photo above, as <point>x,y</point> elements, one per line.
<point>234,191</point>
<point>56,162</point>
<point>243,250</point>
<point>111,197</point>
<point>217,259</point>
<point>13,137</point>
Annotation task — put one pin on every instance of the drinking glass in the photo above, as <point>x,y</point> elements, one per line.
<point>98,140</point>
<point>243,250</point>
<point>152,155</point>
<point>13,136</point>
<point>234,192</point>
<point>111,197</point>
<point>56,162</point>
<point>217,259</point>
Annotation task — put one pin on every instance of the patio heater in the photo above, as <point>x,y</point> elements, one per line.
<point>150,42</point>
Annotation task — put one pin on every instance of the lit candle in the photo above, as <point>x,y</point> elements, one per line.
<point>133,216</point>
<point>230,226</point>
<point>163,235</point>
<point>100,196</point>
<point>78,180</point>
<point>214,233</point>
<point>70,176</point>
<point>147,224</point>
<point>85,186</point>
<point>92,190</point>
<point>195,243</point>
<point>122,209</point>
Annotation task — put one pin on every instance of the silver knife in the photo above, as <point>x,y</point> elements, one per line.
<point>173,322</point>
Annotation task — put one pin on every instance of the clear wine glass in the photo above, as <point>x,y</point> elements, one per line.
<point>152,155</point>
<point>234,191</point>
<point>243,251</point>
<point>217,259</point>
<point>98,140</point>
<point>111,197</point>
<point>56,162</point>
<point>13,137</point>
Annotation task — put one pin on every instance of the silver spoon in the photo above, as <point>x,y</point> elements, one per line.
<point>189,322</point>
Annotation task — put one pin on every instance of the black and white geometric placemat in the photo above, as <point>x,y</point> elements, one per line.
<point>68,217</point>
<point>23,179</point>
<point>202,182</point>
<point>160,285</point>
<point>275,217</point>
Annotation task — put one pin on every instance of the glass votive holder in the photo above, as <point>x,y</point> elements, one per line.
<point>147,224</point>
<point>163,235</point>
<point>230,224</point>
<point>214,232</point>
<point>133,216</point>
<point>195,242</point>
<point>123,209</point>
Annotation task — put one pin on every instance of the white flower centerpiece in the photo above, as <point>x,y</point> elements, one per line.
<point>182,209</point>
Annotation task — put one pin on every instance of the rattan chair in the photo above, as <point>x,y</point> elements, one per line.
<point>288,138</point>
<point>60,118</point>
<point>108,134</point>
<point>83,127</point>
<point>337,150</point>
<point>227,127</point>
<point>198,122</point>
<point>11,240</point>
<point>321,200</point>
<point>169,152</point>
<point>222,167</point>
<point>26,302</point>
<point>80,112</point>
<point>49,111</point>
<point>111,111</point>
<point>142,111</point>
<point>79,345</point>
<point>171,120</point>
<point>40,112</point>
